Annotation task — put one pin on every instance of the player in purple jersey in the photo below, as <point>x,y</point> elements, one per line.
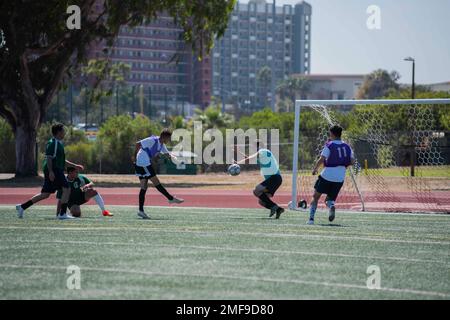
<point>335,157</point>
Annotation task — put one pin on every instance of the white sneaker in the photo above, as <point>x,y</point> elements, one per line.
<point>20,211</point>
<point>143,215</point>
<point>176,200</point>
<point>310,222</point>
<point>66,216</point>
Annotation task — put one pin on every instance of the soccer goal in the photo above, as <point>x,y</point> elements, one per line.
<point>402,151</point>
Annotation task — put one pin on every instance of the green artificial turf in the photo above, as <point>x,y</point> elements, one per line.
<point>190,253</point>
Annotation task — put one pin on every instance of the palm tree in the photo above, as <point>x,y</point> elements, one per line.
<point>264,77</point>
<point>212,117</point>
<point>293,88</point>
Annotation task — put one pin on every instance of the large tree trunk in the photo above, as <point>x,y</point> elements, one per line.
<point>26,151</point>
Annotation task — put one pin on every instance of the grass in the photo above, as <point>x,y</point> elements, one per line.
<point>223,254</point>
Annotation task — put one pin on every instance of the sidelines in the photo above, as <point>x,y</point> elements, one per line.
<point>307,253</point>
<point>256,234</point>
<point>229,277</point>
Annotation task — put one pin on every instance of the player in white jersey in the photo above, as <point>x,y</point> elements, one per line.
<point>147,152</point>
<point>336,156</point>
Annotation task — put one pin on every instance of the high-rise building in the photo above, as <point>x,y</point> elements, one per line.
<point>258,36</point>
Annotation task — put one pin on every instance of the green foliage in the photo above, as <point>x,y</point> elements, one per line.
<point>83,153</point>
<point>177,122</point>
<point>379,83</point>
<point>7,148</point>
<point>116,141</point>
<point>289,90</point>
<point>72,136</point>
<point>212,117</point>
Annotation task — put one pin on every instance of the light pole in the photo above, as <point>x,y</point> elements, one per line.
<point>413,87</point>
<point>412,158</point>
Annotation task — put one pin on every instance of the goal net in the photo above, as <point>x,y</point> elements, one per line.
<point>401,149</point>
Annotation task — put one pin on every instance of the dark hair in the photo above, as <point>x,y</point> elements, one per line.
<point>56,128</point>
<point>166,133</point>
<point>71,169</point>
<point>336,131</point>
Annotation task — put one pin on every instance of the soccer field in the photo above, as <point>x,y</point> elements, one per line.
<point>190,253</point>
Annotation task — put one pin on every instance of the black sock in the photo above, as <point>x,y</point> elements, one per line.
<point>63,209</point>
<point>265,205</point>
<point>266,199</point>
<point>142,199</point>
<point>26,205</point>
<point>163,190</point>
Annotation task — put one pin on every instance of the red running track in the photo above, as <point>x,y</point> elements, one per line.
<point>234,199</point>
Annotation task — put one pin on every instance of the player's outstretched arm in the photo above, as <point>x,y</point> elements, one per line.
<point>247,158</point>
<point>137,147</point>
<point>319,162</point>
<point>77,166</point>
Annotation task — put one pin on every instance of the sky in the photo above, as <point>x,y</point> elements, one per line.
<point>342,42</point>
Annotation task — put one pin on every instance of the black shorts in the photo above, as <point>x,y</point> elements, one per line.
<point>57,184</point>
<point>144,172</point>
<point>331,189</point>
<point>77,202</point>
<point>272,183</point>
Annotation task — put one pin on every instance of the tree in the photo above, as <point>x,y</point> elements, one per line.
<point>379,83</point>
<point>293,88</point>
<point>103,77</point>
<point>40,53</point>
<point>213,118</point>
<point>264,77</point>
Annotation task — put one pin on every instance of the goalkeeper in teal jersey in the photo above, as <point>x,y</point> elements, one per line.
<point>272,178</point>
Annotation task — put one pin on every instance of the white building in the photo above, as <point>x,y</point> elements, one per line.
<point>332,86</point>
<point>442,86</point>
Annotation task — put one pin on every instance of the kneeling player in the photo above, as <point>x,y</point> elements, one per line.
<point>271,172</point>
<point>81,191</point>
<point>147,152</point>
<point>335,157</point>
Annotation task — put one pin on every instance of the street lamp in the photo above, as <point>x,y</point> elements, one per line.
<point>413,87</point>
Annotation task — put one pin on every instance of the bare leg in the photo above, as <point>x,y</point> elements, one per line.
<point>314,202</point>
<point>35,199</point>
<point>64,199</point>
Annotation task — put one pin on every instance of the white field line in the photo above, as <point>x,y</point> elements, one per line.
<point>237,233</point>
<point>213,248</point>
<point>353,213</point>
<point>230,277</point>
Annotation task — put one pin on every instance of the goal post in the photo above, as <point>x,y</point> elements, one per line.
<point>390,139</point>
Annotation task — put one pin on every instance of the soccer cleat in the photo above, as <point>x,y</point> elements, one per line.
<point>176,200</point>
<point>310,222</point>
<point>106,213</point>
<point>279,212</point>
<point>273,211</point>
<point>65,216</point>
<point>143,215</point>
<point>332,213</point>
<point>19,211</point>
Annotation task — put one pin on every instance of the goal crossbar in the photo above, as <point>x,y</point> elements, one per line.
<point>303,103</point>
<point>299,103</point>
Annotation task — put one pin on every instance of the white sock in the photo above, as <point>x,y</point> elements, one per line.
<point>98,198</point>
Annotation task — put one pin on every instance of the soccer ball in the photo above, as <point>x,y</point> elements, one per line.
<point>234,169</point>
